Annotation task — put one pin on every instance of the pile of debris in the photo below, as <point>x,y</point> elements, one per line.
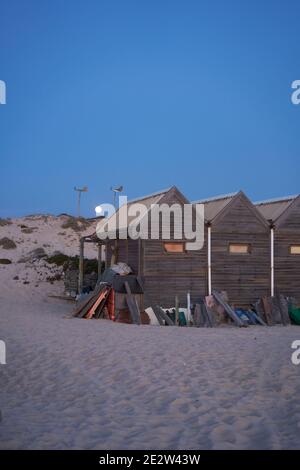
<point>213,310</point>
<point>118,297</point>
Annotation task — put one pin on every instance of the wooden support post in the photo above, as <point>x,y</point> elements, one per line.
<point>99,261</point>
<point>106,255</point>
<point>81,266</point>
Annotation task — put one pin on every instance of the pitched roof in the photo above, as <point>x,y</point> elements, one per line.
<point>272,209</point>
<point>121,225</point>
<point>214,205</point>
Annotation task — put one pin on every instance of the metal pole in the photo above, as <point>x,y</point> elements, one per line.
<point>272,262</point>
<point>78,207</point>
<point>189,313</point>
<point>209,259</point>
<point>80,190</point>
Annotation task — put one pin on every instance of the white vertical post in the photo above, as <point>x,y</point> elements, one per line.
<point>272,261</point>
<point>209,258</point>
<point>2,92</point>
<point>2,352</point>
<point>188,305</point>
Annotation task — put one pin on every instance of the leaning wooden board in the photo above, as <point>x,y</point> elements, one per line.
<point>100,300</point>
<point>208,313</point>
<point>284,310</point>
<point>258,319</point>
<point>132,305</point>
<point>228,309</point>
<point>158,316</point>
<point>198,316</point>
<point>268,311</point>
<point>87,303</point>
<point>99,303</point>
<point>164,316</point>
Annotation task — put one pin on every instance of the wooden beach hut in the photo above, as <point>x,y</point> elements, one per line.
<point>165,267</point>
<point>238,249</point>
<point>283,216</point>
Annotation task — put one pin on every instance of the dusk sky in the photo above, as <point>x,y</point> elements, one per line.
<point>147,94</point>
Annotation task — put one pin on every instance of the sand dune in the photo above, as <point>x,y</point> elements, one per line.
<point>46,231</point>
<point>79,384</point>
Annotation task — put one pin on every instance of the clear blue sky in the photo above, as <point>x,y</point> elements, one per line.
<point>148,94</point>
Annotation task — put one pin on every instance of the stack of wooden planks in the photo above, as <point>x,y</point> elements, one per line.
<point>100,304</point>
<point>204,314</point>
<point>229,311</point>
<point>93,305</point>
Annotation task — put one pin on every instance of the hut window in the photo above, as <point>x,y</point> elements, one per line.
<point>174,247</point>
<point>295,249</point>
<point>239,248</point>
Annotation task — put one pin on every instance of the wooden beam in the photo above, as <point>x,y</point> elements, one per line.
<point>164,316</point>
<point>132,305</point>
<point>106,254</point>
<point>268,311</point>
<point>99,261</point>
<point>228,309</point>
<point>156,311</point>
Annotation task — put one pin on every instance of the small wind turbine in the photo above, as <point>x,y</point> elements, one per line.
<point>115,191</point>
<point>80,190</point>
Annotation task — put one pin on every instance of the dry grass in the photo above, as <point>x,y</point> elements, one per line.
<point>78,224</point>
<point>7,244</point>
<point>5,261</point>
<point>4,222</point>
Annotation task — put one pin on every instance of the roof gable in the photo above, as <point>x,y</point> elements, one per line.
<point>169,196</point>
<point>273,209</point>
<point>290,217</point>
<point>237,201</point>
<point>214,205</point>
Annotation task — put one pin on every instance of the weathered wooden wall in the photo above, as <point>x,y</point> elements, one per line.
<point>128,252</point>
<point>245,277</point>
<point>168,274</point>
<point>287,265</point>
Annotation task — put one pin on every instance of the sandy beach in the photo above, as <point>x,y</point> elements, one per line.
<point>94,384</point>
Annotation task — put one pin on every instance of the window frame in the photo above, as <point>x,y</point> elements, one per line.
<point>248,245</point>
<point>296,245</point>
<point>171,242</point>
